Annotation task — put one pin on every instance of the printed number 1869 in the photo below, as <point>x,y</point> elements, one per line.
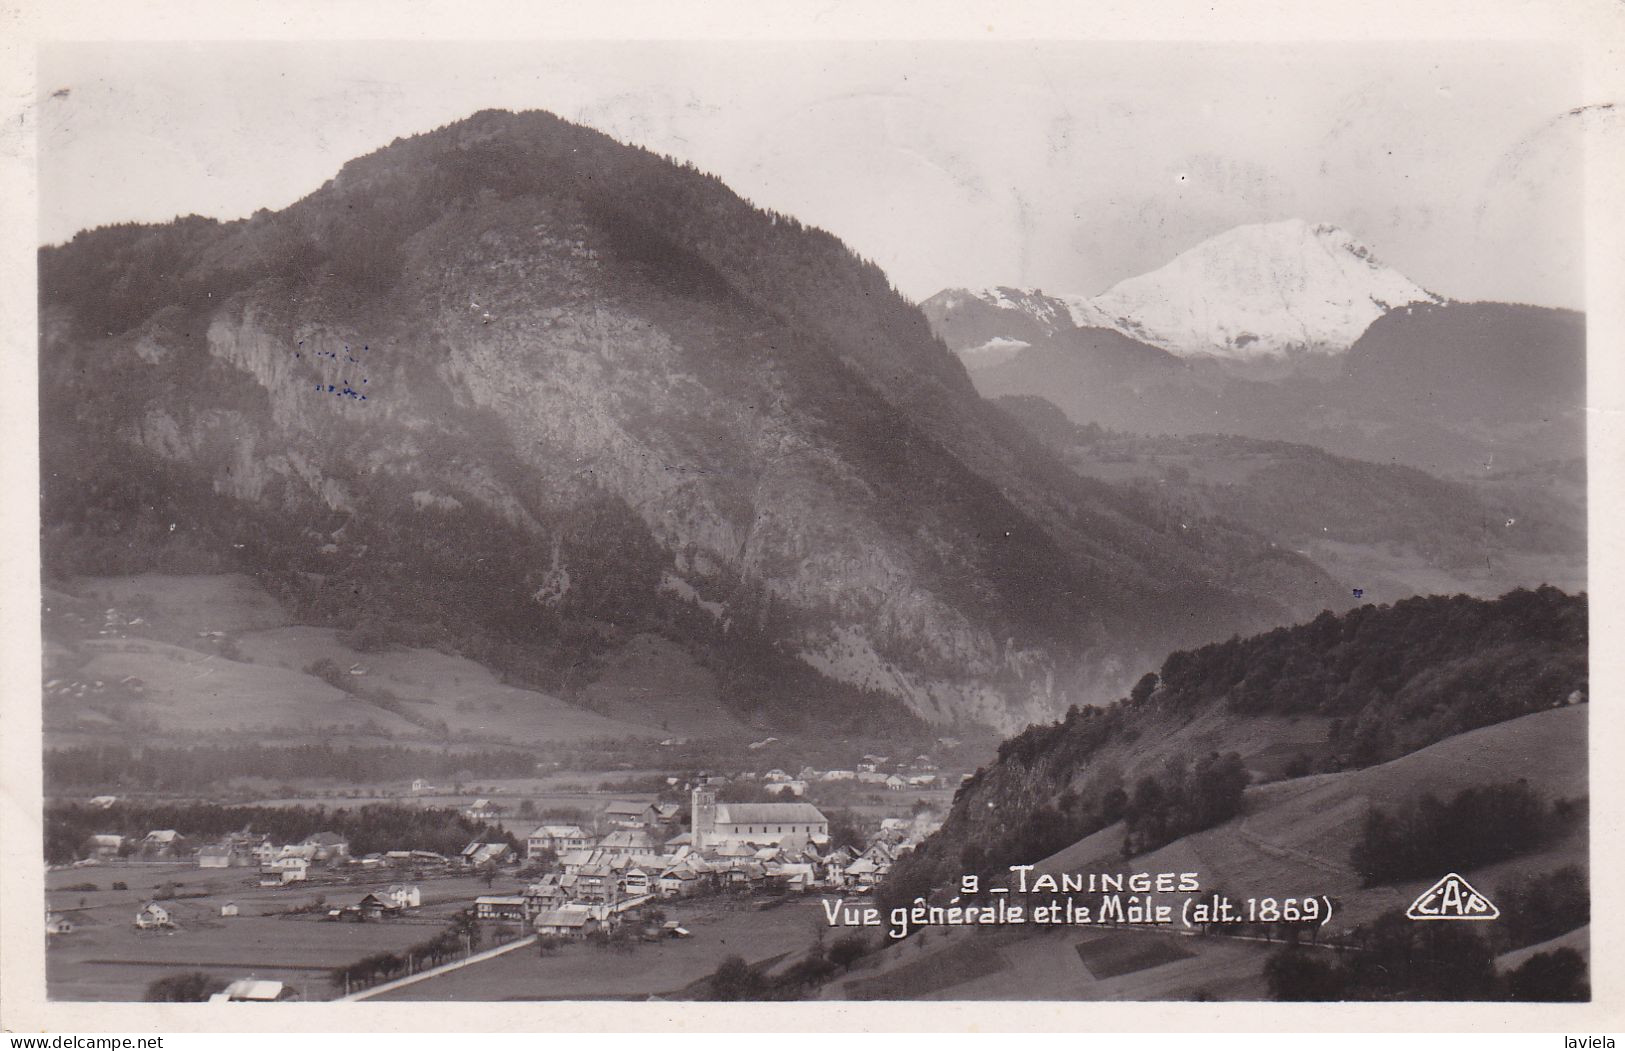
<point>1270,910</point>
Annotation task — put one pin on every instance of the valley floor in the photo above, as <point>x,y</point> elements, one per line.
<point>664,969</point>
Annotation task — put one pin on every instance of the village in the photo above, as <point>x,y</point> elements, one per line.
<point>628,874</point>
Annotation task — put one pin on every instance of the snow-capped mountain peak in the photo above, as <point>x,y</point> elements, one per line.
<point>1260,290</point>
<point>1256,291</point>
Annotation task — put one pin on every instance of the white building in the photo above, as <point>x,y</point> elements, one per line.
<point>718,824</point>
<point>153,915</point>
<point>404,896</point>
<point>559,839</point>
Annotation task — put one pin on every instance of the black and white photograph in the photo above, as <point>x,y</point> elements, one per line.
<point>699,521</point>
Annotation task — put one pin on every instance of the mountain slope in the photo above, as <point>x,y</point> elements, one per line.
<point>1452,389</point>
<point>1337,693</point>
<point>1405,533</point>
<point>990,325</point>
<point>1507,375</point>
<point>521,391</point>
<point>1292,838</point>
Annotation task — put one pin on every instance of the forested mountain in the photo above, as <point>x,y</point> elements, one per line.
<point>1340,692</point>
<point>519,390</point>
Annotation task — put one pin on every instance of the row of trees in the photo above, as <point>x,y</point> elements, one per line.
<point>371,828</point>
<point>1185,797</point>
<point>461,937</point>
<point>1399,677</point>
<point>1475,827</point>
<point>182,769</point>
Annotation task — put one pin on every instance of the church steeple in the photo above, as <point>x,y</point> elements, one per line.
<point>703,815</point>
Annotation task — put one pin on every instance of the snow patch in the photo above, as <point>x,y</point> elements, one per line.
<point>995,351</point>
<point>424,499</point>
<point>672,584</point>
<point>1257,291</point>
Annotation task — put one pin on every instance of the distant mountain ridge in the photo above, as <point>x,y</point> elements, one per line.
<point>1449,388</point>
<point>1405,532</point>
<point>1262,290</point>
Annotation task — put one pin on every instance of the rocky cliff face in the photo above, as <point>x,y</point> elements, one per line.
<point>529,388</point>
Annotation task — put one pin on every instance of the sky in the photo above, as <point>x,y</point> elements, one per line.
<point>1062,166</point>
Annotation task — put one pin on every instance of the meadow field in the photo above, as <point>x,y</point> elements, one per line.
<point>721,927</point>
<point>106,958</point>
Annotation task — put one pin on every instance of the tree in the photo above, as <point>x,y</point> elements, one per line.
<point>184,987</point>
<point>623,940</point>
<point>1478,825</point>
<point>848,950</point>
<point>843,829</point>
<point>1538,908</point>
<point>734,979</point>
<point>1295,974</point>
<point>1558,976</point>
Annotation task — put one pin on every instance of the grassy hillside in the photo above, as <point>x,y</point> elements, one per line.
<point>205,656</point>
<point>1339,693</point>
<point>1291,839</point>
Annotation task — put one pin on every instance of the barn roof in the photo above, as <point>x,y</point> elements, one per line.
<point>768,813</point>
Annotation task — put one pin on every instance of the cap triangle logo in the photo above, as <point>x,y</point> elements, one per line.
<point>1452,898</point>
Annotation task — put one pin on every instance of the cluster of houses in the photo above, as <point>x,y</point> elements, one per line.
<point>779,846</point>
<point>639,854</point>
<point>379,905</point>
<point>159,844</point>
<point>374,905</point>
<point>278,864</point>
<point>879,770</point>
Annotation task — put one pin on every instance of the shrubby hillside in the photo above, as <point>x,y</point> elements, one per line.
<point>1340,692</point>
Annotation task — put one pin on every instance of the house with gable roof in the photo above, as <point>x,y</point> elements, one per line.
<point>717,824</point>
<point>567,921</point>
<point>153,916</point>
<point>560,839</point>
<point>626,842</point>
<point>624,814</point>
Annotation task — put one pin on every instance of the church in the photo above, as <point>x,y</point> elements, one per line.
<point>759,824</point>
